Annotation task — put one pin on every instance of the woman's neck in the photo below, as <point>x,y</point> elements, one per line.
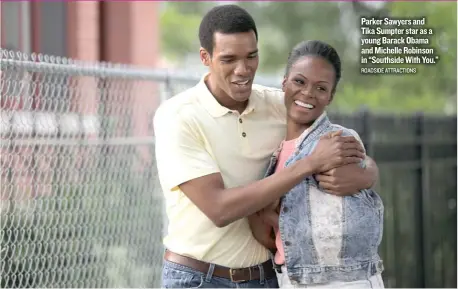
<point>294,129</point>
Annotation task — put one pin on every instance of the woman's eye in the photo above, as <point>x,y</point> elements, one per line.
<point>299,81</point>
<point>321,88</point>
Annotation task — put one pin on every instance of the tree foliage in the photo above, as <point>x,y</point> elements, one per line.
<point>282,25</point>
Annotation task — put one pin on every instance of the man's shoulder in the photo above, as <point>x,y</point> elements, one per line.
<point>267,91</point>
<point>175,105</point>
<point>272,98</point>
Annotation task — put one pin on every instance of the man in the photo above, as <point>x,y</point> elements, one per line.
<point>213,144</point>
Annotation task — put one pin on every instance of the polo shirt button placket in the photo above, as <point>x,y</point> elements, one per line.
<point>241,121</point>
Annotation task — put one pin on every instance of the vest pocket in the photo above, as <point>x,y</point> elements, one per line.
<point>370,198</point>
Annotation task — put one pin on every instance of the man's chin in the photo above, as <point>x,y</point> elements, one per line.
<point>241,97</point>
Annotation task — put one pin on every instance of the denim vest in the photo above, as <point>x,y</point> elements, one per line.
<point>325,237</point>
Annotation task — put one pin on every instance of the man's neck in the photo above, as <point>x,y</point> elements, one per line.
<point>222,98</point>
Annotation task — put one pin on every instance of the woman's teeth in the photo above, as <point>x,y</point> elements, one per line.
<point>303,104</point>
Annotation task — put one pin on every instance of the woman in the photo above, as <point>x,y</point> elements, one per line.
<point>322,240</point>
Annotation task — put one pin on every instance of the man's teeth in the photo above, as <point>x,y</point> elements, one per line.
<point>242,82</point>
<point>303,104</point>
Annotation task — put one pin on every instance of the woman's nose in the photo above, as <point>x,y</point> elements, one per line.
<point>307,91</point>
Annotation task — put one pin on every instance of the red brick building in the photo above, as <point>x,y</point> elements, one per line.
<point>111,31</point>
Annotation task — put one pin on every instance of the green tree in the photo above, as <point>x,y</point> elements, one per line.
<point>433,87</point>
<point>282,25</point>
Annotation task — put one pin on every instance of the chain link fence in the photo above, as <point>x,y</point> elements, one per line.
<point>81,205</point>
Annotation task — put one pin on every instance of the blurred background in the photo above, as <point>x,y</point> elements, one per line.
<point>81,205</point>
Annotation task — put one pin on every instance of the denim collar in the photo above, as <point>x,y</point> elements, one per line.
<point>321,123</point>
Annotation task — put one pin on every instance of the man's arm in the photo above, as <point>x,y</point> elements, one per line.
<point>224,206</point>
<point>349,179</point>
<point>184,163</point>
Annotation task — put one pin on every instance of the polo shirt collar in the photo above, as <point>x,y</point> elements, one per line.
<point>213,106</point>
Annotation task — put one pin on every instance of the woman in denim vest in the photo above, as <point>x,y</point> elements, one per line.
<point>322,240</point>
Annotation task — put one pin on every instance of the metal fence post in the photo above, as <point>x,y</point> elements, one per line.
<point>366,133</point>
<point>168,88</point>
<point>423,202</point>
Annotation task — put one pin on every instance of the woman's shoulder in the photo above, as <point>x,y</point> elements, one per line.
<point>345,131</point>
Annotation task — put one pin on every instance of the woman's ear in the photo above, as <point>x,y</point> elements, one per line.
<point>331,97</point>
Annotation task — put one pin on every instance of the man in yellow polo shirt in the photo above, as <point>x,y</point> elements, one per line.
<point>213,144</point>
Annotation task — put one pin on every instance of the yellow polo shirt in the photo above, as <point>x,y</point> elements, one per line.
<point>196,136</point>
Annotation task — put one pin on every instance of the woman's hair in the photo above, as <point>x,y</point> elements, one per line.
<point>315,48</point>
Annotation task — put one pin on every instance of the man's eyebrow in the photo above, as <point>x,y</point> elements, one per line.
<point>227,56</point>
<point>232,56</point>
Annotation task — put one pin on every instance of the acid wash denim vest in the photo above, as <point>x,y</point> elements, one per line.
<point>325,237</point>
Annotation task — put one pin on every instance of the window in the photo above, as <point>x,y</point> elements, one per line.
<point>16,26</point>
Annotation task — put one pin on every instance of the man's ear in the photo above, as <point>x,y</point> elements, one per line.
<point>205,57</point>
<point>283,83</point>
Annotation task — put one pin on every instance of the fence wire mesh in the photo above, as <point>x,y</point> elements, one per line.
<point>80,202</point>
<point>81,205</point>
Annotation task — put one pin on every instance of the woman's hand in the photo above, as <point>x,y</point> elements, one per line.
<point>263,224</point>
<point>262,231</point>
<point>270,215</point>
<point>334,150</point>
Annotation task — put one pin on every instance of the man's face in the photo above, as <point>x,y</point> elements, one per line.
<point>233,64</point>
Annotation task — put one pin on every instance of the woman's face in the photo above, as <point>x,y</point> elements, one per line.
<point>308,89</point>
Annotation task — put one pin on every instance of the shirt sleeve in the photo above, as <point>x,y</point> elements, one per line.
<point>276,99</point>
<point>180,150</point>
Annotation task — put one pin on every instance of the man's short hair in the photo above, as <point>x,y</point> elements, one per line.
<point>226,19</point>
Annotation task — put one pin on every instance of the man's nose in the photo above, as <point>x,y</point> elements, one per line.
<point>241,68</point>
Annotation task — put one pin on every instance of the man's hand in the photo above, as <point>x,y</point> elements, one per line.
<point>349,179</point>
<point>334,150</point>
<point>262,231</point>
<point>341,180</point>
